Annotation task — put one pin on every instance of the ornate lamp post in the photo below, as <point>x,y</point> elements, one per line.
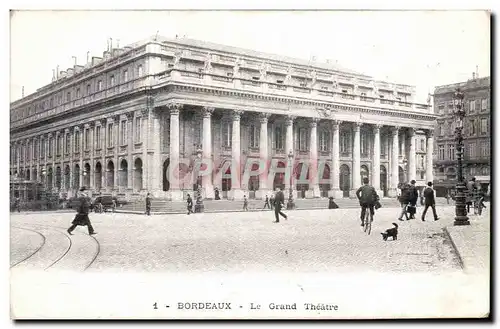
<point>460,204</point>
<point>290,203</point>
<point>198,207</point>
<point>43,196</point>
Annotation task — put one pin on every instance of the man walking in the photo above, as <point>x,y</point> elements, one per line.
<point>412,206</point>
<point>429,202</point>
<point>279,202</point>
<point>148,204</point>
<point>245,203</point>
<point>266,203</point>
<point>404,199</point>
<point>271,200</point>
<point>189,204</point>
<point>82,217</point>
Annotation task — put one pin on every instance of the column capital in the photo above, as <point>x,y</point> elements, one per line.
<point>289,120</point>
<point>129,115</point>
<point>264,117</point>
<point>174,108</point>
<point>236,115</point>
<point>411,131</point>
<point>115,118</point>
<point>314,122</point>
<point>145,111</point>
<point>66,131</point>
<point>336,124</point>
<point>430,133</point>
<point>102,122</point>
<point>395,130</point>
<point>207,111</point>
<point>86,126</point>
<point>357,125</point>
<point>377,127</point>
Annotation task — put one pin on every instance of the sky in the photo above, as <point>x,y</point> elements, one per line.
<point>419,48</point>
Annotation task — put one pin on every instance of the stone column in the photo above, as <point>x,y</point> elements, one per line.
<point>92,154</point>
<point>313,191</point>
<point>394,162</point>
<point>80,150</point>
<point>116,129</point>
<point>130,150</point>
<point>173,169</point>
<point>412,165</point>
<point>71,191</point>
<point>376,160</point>
<point>356,159</point>
<point>264,157</point>
<point>289,148</point>
<point>335,172</point>
<point>236,168</point>
<point>207,152</point>
<point>145,115</point>
<point>104,147</point>
<point>155,165</point>
<point>429,176</point>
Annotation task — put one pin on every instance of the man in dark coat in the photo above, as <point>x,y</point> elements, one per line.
<point>429,202</point>
<point>413,199</point>
<point>367,196</point>
<point>266,203</point>
<point>404,199</point>
<point>189,204</point>
<point>148,204</point>
<point>279,201</point>
<point>82,216</point>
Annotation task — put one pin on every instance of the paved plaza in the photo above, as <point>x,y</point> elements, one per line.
<point>315,256</point>
<point>310,241</point>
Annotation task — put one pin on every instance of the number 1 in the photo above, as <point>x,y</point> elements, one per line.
<point>155,306</point>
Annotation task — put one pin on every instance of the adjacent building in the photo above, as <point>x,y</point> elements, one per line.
<point>477,133</point>
<point>142,117</point>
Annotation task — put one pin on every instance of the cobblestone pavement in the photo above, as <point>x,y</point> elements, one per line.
<point>309,241</point>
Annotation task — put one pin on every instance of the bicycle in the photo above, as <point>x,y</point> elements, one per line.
<point>367,222</point>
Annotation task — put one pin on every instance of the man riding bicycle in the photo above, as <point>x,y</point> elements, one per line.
<point>367,197</point>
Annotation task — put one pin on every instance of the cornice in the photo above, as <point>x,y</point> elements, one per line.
<point>295,101</point>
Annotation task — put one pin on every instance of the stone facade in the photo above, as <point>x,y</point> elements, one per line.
<point>155,116</point>
<point>477,132</point>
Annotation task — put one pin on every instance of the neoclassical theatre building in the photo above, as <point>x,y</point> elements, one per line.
<point>138,119</point>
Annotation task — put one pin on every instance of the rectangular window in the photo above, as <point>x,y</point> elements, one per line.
<point>125,76</point>
<point>227,129</point>
<point>50,146</point>
<point>109,135</point>
<point>59,144</point>
<point>484,151</point>
<point>68,97</point>
<point>484,104</point>
<point>77,93</point>
<point>77,141</point>
<point>66,144</point>
<point>98,137</point>
<point>86,139</point>
<point>344,142</point>
<point>88,90</point>
<point>303,134</point>
<point>472,128</point>
<point>484,126</point>
<point>451,152</point>
<point>138,121</point>
<point>42,148</point>
<point>112,80</point>
<point>324,137</point>
<point>383,149</point>
<point>441,152</point>
<point>124,133</point>
<point>35,149</point>
<point>472,106</point>
<point>99,85</point>
<point>254,134</point>
<point>278,138</point>
<point>364,143</point>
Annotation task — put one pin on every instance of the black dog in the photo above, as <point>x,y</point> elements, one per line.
<point>391,232</point>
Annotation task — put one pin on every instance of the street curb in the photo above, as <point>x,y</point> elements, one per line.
<point>462,265</point>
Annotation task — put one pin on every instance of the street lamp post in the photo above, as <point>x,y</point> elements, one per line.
<point>290,203</point>
<point>460,204</point>
<point>43,196</point>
